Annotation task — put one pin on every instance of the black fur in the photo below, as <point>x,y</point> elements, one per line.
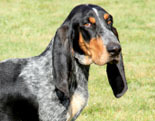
<point>41,88</point>
<point>16,103</point>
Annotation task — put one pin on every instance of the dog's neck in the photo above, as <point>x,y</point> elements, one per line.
<point>38,74</point>
<point>76,71</point>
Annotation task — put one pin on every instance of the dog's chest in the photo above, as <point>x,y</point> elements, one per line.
<point>77,103</point>
<point>50,108</point>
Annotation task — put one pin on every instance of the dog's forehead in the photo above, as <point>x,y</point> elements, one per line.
<point>85,10</point>
<point>97,8</point>
<point>89,9</point>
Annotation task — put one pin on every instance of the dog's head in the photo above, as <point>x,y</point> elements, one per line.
<point>88,35</point>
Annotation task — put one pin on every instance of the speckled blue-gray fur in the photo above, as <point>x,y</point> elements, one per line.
<point>53,86</point>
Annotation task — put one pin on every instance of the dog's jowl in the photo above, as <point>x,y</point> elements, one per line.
<point>53,86</point>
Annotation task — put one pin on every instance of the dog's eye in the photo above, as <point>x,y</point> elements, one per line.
<point>88,25</point>
<point>109,22</point>
<point>108,19</point>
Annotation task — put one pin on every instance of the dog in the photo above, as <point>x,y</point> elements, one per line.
<point>53,86</point>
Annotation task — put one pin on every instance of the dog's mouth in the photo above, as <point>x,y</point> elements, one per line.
<point>86,60</point>
<point>114,59</point>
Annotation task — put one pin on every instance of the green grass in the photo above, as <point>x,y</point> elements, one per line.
<point>27,26</point>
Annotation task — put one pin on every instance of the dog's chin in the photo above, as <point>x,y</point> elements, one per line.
<point>100,63</point>
<point>87,60</point>
<point>114,60</point>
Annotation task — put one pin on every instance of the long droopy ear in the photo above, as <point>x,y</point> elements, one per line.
<point>62,60</point>
<point>116,75</point>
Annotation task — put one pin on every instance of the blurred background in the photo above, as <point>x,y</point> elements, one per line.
<point>27,26</point>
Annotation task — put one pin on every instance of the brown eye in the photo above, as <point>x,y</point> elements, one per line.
<point>109,22</point>
<point>87,25</point>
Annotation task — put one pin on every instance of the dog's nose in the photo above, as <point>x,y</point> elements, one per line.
<point>114,49</point>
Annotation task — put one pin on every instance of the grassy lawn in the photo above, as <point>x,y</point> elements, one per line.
<point>27,26</point>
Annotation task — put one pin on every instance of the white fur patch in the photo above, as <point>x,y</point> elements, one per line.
<point>107,33</point>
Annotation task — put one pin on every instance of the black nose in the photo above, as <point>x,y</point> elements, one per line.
<point>114,49</point>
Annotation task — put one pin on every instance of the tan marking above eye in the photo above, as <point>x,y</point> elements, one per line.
<point>94,50</point>
<point>92,20</point>
<point>106,16</point>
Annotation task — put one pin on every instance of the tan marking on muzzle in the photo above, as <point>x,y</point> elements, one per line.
<point>95,50</point>
<point>92,20</point>
<point>98,51</point>
<point>83,45</point>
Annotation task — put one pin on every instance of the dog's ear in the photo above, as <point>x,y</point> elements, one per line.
<point>116,75</point>
<point>62,59</point>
